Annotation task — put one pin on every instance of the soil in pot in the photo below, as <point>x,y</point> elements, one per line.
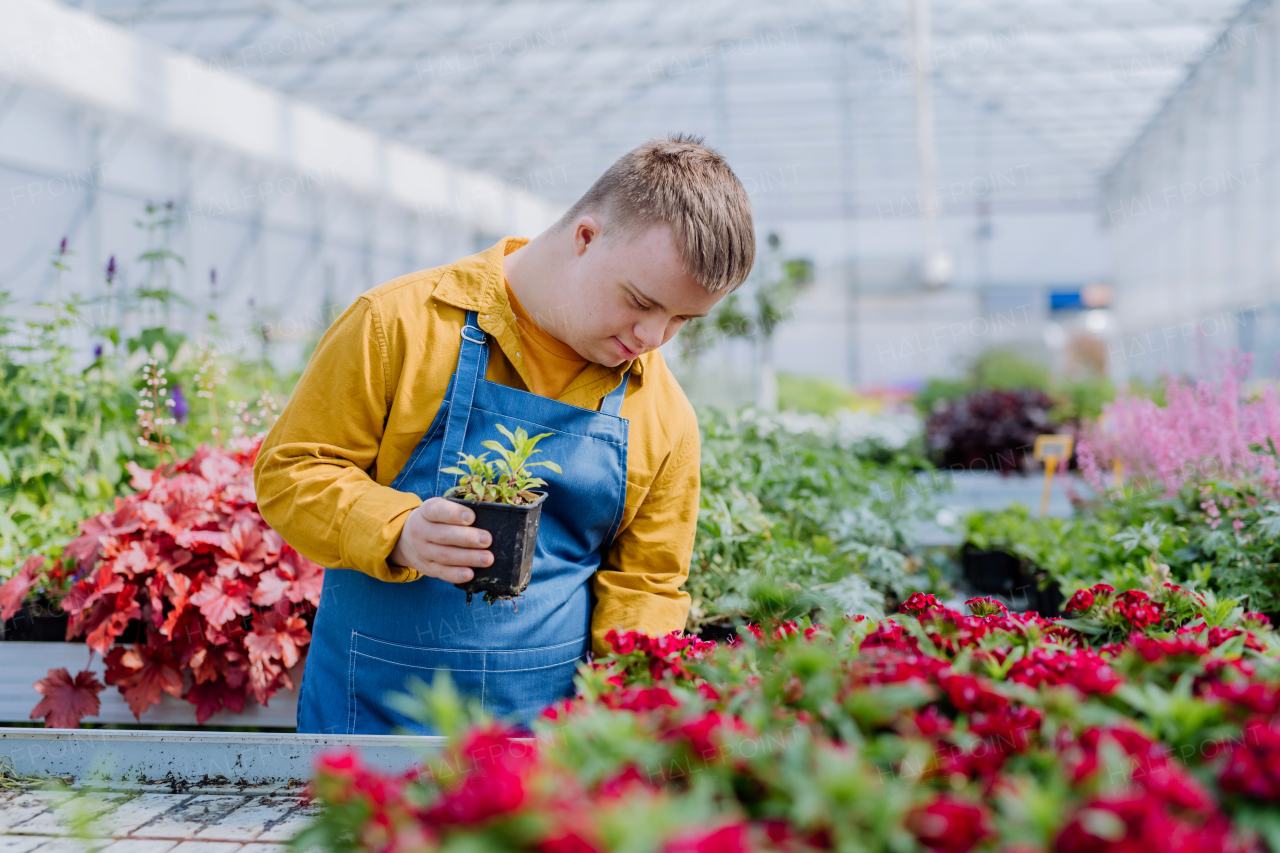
<point>38,621</point>
<point>515,537</point>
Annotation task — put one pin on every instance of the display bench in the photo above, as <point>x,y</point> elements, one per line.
<point>22,664</point>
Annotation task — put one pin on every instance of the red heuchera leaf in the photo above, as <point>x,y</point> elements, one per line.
<point>221,599</point>
<point>110,617</point>
<point>86,592</point>
<point>265,678</point>
<point>67,701</point>
<point>277,637</point>
<point>295,578</point>
<point>229,663</point>
<point>200,541</point>
<point>142,478</point>
<point>180,596</point>
<point>245,551</point>
<point>15,589</point>
<point>189,555</point>
<point>212,696</point>
<point>143,674</point>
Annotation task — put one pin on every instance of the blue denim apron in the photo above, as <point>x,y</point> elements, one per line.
<point>516,657</point>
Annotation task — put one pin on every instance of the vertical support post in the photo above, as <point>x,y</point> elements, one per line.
<point>926,153</point>
<point>848,212</point>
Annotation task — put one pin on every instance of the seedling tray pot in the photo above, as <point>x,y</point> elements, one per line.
<point>515,537</point>
<point>36,621</point>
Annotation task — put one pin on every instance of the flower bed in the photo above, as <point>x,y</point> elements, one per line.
<point>1143,721</point>
<point>219,601</point>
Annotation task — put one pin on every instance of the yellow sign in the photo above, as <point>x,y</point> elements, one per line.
<point>1052,450</point>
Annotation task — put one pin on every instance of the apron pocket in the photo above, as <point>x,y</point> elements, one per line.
<point>379,667</point>
<point>511,685</point>
<point>520,684</point>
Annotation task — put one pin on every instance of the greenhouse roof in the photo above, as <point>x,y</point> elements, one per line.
<point>812,101</point>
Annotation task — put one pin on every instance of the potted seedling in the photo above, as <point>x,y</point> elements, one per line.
<point>501,494</point>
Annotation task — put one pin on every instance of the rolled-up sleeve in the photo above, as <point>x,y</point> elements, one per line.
<point>638,586</point>
<point>311,475</point>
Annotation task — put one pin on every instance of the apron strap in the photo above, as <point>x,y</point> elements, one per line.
<point>612,404</point>
<point>473,360</point>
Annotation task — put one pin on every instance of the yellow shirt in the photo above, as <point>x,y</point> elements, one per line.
<point>373,387</point>
<point>552,365</point>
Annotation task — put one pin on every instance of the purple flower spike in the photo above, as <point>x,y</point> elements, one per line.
<point>180,407</point>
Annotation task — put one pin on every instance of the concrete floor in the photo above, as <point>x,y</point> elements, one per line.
<point>75,822</point>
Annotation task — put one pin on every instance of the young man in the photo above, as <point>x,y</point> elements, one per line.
<point>559,334</point>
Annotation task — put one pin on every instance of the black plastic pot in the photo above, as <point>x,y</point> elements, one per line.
<point>515,536</point>
<point>37,621</point>
<point>1001,573</point>
<point>993,572</point>
<point>719,631</point>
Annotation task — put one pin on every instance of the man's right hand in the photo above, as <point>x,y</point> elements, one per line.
<point>438,541</point>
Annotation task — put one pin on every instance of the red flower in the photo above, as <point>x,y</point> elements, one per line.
<point>950,825</point>
<point>1136,606</point>
<point>495,767</point>
<point>1132,822</point>
<point>622,644</point>
<point>1256,621</point>
<point>1252,768</point>
<point>566,842</point>
<point>969,694</point>
<point>918,602</point>
<point>1083,669</point>
<point>727,839</point>
<point>640,699</point>
<point>703,734</point>
<point>986,606</point>
<point>1154,650</point>
<point>1082,600</point>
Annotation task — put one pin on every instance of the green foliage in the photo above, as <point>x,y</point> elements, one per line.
<point>1081,399</point>
<point>1214,535</point>
<point>1009,370</point>
<point>938,390</point>
<point>69,429</point>
<point>790,523</point>
<point>506,480</point>
<point>66,433</point>
<point>812,394</point>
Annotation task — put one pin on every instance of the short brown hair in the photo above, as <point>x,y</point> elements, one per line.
<point>680,182</point>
